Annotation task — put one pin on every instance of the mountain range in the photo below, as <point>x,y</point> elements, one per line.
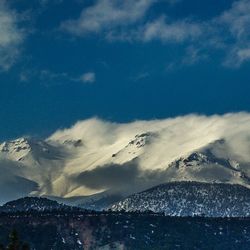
<point>96,164</point>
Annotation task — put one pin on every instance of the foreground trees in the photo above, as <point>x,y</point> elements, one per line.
<point>15,243</point>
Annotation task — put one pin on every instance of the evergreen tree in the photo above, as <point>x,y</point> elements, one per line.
<point>14,241</point>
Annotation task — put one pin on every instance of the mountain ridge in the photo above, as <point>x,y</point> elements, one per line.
<point>190,199</point>
<point>96,157</point>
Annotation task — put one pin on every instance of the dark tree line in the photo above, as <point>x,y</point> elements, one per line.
<point>15,243</point>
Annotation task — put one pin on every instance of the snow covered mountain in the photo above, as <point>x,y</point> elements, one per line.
<point>96,159</point>
<point>27,165</point>
<point>211,163</point>
<point>191,199</point>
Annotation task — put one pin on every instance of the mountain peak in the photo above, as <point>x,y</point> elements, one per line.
<point>20,148</point>
<point>141,140</point>
<point>20,144</point>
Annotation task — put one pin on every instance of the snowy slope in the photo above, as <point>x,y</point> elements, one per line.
<point>210,164</point>
<point>95,157</point>
<point>191,199</point>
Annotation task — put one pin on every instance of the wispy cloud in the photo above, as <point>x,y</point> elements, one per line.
<point>228,32</point>
<point>88,77</point>
<point>11,36</point>
<point>46,76</point>
<point>106,15</point>
<point>176,31</point>
<point>46,2</point>
<point>128,21</point>
<point>140,76</point>
<point>236,21</point>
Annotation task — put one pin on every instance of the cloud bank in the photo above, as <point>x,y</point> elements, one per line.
<point>177,136</point>
<point>138,154</point>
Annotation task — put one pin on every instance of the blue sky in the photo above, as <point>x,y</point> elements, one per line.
<point>62,61</point>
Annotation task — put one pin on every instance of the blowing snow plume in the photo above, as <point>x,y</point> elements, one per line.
<point>97,156</point>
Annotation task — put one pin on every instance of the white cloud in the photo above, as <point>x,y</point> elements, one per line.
<point>237,18</point>
<point>140,76</point>
<point>243,54</point>
<point>237,56</point>
<point>127,21</point>
<point>88,77</point>
<point>178,136</point>
<point>236,21</point>
<point>177,31</point>
<point>228,32</point>
<point>46,76</point>
<point>194,55</point>
<point>107,14</point>
<point>11,37</point>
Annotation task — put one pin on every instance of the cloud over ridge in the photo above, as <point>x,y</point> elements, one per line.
<point>177,136</point>
<point>95,156</point>
<point>139,154</point>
